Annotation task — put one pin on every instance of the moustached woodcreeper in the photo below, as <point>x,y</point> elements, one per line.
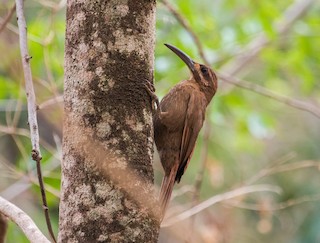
<point>178,120</point>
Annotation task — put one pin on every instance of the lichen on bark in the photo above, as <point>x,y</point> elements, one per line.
<point>107,184</point>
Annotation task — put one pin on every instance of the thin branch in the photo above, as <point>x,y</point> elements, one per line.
<point>50,102</point>
<point>298,104</point>
<point>292,166</point>
<point>258,175</point>
<point>278,168</point>
<point>293,13</point>
<point>26,224</point>
<point>32,108</point>
<point>6,20</point>
<point>283,168</point>
<point>219,198</point>
<point>188,28</point>
<point>278,206</point>
<point>37,158</point>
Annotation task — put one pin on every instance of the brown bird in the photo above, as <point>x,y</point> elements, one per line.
<point>177,122</point>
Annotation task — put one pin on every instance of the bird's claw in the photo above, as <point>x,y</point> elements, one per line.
<point>154,99</point>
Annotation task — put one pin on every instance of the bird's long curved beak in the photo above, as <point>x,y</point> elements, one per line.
<point>184,57</point>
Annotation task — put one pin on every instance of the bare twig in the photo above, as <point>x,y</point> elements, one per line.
<point>219,198</point>
<point>6,20</point>
<point>283,168</point>
<point>292,166</point>
<point>278,168</point>
<point>298,104</point>
<point>50,102</point>
<point>188,28</point>
<point>26,224</point>
<point>32,108</point>
<point>275,207</point>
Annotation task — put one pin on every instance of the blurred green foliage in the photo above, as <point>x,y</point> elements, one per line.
<point>249,133</point>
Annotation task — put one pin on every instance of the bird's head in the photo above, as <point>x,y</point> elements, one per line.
<point>202,74</point>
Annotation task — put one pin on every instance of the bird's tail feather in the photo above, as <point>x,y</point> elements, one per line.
<point>166,190</point>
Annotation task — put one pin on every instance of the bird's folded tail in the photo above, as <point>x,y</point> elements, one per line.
<point>166,190</point>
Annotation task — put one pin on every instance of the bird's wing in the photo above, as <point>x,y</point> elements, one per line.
<point>174,104</point>
<point>192,124</point>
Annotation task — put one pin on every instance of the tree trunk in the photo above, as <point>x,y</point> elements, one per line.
<point>107,175</point>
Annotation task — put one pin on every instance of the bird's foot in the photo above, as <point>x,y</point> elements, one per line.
<point>149,87</point>
<point>154,99</point>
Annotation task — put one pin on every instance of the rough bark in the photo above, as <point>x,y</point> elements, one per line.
<point>107,181</point>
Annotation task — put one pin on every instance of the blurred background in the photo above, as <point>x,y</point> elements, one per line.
<point>262,135</point>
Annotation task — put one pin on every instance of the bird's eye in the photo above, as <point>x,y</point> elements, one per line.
<point>204,69</point>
